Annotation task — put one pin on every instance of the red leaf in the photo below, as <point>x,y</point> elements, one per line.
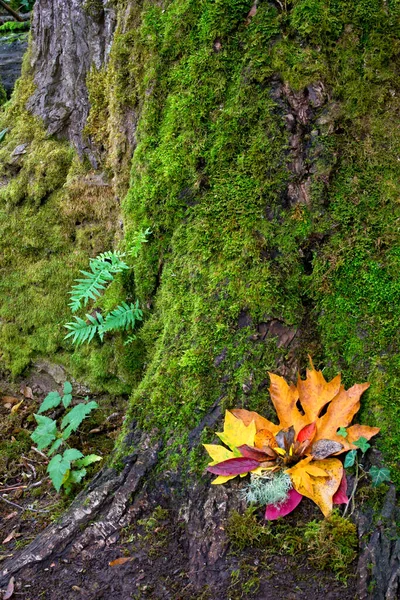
<point>307,433</point>
<point>254,453</point>
<point>340,497</point>
<point>234,466</point>
<point>272,512</point>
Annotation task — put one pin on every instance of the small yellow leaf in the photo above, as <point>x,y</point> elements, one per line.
<point>16,407</point>
<point>280,451</point>
<point>120,561</point>
<point>236,433</point>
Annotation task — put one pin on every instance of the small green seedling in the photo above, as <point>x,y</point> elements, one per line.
<point>69,467</point>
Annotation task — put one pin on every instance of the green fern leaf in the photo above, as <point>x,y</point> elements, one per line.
<point>121,318</point>
<point>135,244</point>
<point>103,268</point>
<point>81,331</point>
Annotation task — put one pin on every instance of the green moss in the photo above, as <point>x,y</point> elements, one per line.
<point>209,177</point>
<point>332,544</point>
<point>53,216</point>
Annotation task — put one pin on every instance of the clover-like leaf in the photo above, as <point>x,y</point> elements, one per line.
<point>350,459</point>
<point>379,475</point>
<point>342,432</point>
<point>362,443</point>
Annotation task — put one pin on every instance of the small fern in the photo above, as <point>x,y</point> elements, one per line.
<point>81,331</point>
<point>103,269</point>
<point>135,244</point>
<point>122,318</point>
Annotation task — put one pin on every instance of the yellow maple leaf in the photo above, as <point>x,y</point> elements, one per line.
<point>236,433</point>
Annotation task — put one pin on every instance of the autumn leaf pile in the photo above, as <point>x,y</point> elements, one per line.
<point>314,429</point>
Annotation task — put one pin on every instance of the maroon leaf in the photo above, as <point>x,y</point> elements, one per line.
<point>254,453</point>
<point>234,466</point>
<point>340,497</point>
<point>307,433</point>
<point>275,512</point>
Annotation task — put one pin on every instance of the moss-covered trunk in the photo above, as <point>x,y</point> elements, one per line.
<point>265,163</point>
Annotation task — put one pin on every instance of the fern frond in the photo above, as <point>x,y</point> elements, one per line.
<point>111,261</point>
<point>103,268</point>
<point>121,318</point>
<point>81,331</point>
<point>135,244</point>
<point>129,340</point>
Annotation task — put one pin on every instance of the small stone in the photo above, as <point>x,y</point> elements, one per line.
<point>19,150</point>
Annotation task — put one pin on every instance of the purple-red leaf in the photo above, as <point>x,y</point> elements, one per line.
<point>340,497</point>
<point>254,453</point>
<point>234,466</point>
<point>275,512</point>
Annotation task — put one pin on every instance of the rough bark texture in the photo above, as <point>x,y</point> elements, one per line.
<point>67,41</point>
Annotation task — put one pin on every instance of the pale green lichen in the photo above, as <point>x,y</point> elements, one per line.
<point>264,490</point>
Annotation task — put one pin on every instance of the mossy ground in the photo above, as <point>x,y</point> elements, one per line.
<point>329,544</point>
<point>209,177</point>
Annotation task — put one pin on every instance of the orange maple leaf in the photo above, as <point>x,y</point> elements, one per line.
<point>313,395</point>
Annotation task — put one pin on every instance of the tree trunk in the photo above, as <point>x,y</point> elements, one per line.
<point>264,162</point>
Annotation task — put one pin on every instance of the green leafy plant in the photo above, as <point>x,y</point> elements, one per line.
<point>69,467</point>
<point>92,285</point>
